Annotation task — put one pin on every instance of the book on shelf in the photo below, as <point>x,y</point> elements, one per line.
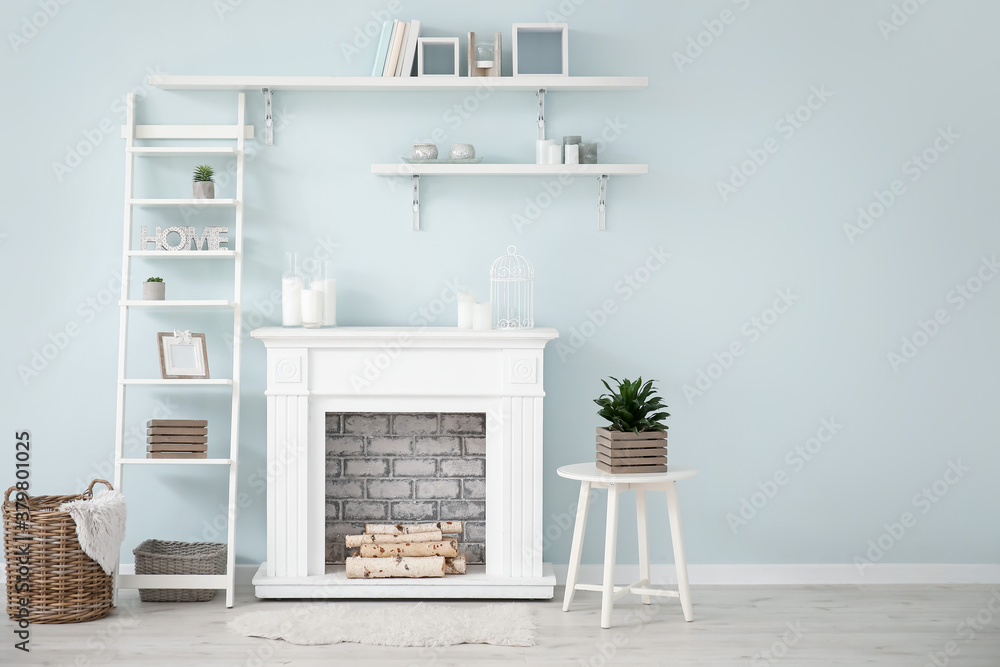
<point>383,48</point>
<point>410,48</point>
<point>405,28</point>
<point>397,46</point>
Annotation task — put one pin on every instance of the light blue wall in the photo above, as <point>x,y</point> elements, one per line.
<point>825,358</point>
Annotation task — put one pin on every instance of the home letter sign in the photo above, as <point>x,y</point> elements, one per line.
<point>211,238</point>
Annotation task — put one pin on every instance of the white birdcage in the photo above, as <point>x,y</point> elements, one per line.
<point>512,291</point>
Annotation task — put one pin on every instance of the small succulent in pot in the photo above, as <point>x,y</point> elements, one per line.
<point>204,186</point>
<point>154,289</point>
<point>632,407</point>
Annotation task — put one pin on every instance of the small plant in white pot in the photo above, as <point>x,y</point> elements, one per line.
<point>154,289</point>
<point>204,186</point>
<point>635,441</point>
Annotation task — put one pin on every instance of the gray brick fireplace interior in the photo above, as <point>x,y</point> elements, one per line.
<point>405,467</point>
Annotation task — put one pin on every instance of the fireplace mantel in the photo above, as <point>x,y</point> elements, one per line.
<point>404,369</point>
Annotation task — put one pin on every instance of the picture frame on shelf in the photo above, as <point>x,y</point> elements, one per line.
<point>183,355</point>
<point>424,42</point>
<point>535,48</point>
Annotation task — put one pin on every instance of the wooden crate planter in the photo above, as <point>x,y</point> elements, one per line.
<point>621,452</point>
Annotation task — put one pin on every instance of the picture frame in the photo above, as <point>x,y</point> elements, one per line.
<point>183,355</point>
<point>523,66</point>
<point>424,41</point>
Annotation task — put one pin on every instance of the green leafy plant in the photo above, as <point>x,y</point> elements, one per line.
<point>203,174</point>
<point>154,280</point>
<point>632,406</point>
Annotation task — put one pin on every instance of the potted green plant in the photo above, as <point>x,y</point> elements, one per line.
<point>635,440</point>
<point>154,289</point>
<point>204,186</point>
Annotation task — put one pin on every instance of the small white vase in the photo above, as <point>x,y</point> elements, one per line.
<point>204,190</point>
<point>155,291</point>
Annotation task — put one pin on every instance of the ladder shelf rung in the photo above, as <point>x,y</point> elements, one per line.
<point>167,462</point>
<point>197,203</point>
<point>168,151</point>
<point>182,254</point>
<point>212,581</point>
<point>177,303</point>
<point>155,381</point>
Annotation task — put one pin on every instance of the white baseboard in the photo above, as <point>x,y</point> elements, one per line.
<point>771,575</point>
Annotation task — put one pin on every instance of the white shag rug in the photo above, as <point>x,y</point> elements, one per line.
<point>418,625</point>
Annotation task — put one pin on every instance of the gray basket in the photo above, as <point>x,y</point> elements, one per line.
<point>162,557</point>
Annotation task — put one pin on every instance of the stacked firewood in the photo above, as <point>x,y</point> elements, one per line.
<point>405,550</point>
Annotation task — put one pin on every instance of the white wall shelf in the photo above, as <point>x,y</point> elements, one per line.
<point>157,381</point>
<point>602,171</point>
<point>390,84</point>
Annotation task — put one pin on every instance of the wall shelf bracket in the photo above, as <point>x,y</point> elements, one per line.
<point>416,203</point>
<point>268,118</point>
<point>541,113</point>
<point>602,195</point>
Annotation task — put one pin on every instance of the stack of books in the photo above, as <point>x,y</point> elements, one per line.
<point>397,49</point>
<point>177,439</point>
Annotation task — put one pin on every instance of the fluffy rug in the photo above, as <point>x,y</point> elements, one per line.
<point>100,526</point>
<point>417,625</point>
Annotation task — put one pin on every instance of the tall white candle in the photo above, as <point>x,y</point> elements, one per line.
<point>291,301</point>
<point>572,154</point>
<point>555,154</point>
<point>312,308</point>
<point>542,150</point>
<point>482,316</point>
<point>466,300</point>
<point>329,302</point>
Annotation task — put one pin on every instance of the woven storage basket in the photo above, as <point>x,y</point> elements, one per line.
<point>162,557</point>
<point>65,585</point>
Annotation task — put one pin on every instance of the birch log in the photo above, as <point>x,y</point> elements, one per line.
<point>384,568</point>
<point>413,549</point>
<point>455,565</point>
<point>446,527</point>
<point>357,540</point>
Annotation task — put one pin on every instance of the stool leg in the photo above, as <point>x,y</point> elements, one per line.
<point>610,544</point>
<point>678,541</point>
<point>577,548</point>
<point>640,508</point>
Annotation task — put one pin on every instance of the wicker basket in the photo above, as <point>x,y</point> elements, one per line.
<point>162,557</point>
<point>65,585</point>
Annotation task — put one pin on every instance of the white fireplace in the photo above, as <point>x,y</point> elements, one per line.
<point>312,372</point>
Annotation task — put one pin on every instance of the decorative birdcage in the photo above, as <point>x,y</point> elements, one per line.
<point>512,291</point>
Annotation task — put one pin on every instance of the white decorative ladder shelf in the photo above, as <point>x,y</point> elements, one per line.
<point>237,133</point>
<point>540,85</point>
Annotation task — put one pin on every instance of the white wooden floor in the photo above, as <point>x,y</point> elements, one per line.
<point>798,625</point>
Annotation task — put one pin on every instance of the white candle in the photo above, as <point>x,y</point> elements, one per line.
<point>555,154</point>
<point>572,154</point>
<point>329,302</point>
<point>291,301</point>
<point>466,300</point>
<point>542,150</point>
<point>312,308</point>
<point>482,316</point>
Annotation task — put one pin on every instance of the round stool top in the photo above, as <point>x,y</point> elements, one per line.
<point>588,472</point>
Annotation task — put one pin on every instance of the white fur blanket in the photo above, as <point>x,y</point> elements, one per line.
<point>100,526</point>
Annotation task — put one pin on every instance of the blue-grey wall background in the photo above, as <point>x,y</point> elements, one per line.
<point>766,125</point>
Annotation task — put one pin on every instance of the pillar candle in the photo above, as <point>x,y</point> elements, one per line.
<point>466,301</point>
<point>542,150</point>
<point>482,315</point>
<point>572,153</point>
<point>555,154</point>
<point>588,153</point>
<point>291,301</point>
<point>329,302</point>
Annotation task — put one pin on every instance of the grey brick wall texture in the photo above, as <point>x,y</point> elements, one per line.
<point>396,467</point>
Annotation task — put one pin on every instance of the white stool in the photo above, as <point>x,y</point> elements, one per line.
<point>590,477</point>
